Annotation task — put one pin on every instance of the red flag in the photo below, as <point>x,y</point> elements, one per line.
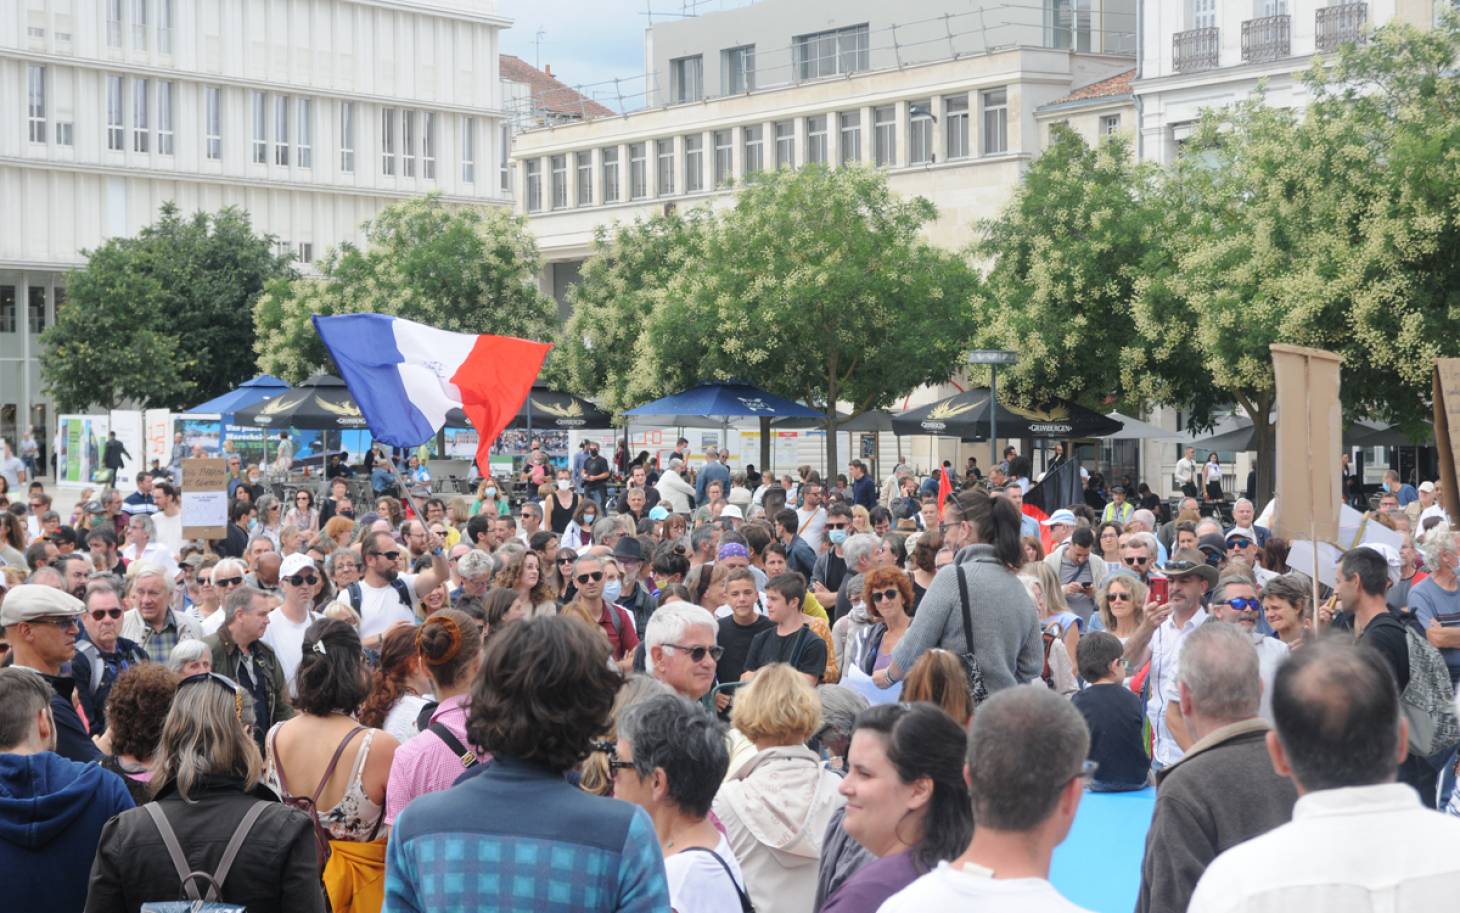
<point>945,488</point>
<point>494,381</point>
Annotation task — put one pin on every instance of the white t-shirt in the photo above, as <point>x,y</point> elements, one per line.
<point>213,622</point>
<point>286,639</point>
<point>380,606</point>
<point>169,531</point>
<point>698,884</point>
<point>811,531</point>
<point>401,720</point>
<point>956,888</point>
<point>1185,471</point>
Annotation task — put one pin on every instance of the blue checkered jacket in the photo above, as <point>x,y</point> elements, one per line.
<point>521,839</point>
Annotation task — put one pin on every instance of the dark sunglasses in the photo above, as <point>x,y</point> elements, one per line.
<point>1134,561</point>
<point>885,595</point>
<point>697,654</point>
<point>595,576</point>
<point>226,582</point>
<point>566,560</point>
<point>1118,597</point>
<point>836,526</point>
<point>99,614</point>
<point>392,555</point>
<point>1243,604</point>
<point>56,621</point>
<point>302,580</point>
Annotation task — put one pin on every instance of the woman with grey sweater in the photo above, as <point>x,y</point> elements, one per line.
<point>1006,636</point>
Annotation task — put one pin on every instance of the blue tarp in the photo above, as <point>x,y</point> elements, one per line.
<point>249,393</point>
<point>724,401</point>
<point>1098,867</point>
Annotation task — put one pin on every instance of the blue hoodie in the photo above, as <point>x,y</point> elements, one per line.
<point>51,814</point>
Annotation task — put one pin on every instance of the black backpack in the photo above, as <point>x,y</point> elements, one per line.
<point>357,595</point>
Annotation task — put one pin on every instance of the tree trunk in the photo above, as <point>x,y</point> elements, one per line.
<point>1264,440</point>
<point>831,455</point>
<point>765,445</point>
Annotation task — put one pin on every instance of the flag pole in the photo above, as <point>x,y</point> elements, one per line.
<point>406,491</point>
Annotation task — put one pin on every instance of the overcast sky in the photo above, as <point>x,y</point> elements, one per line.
<point>591,41</point>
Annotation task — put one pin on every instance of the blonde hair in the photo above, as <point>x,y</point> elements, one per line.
<point>1137,594</point>
<point>779,706</point>
<point>206,733</point>
<point>1049,581</point>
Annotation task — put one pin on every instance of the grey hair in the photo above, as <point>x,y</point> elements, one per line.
<point>586,558</point>
<point>670,733</point>
<point>264,503</point>
<point>1024,746</point>
<point>839,709</point>
<point>476,564</point>
<point>860,546</point>
<point>699,537</point>
<point>45,575</point>
<point>1207,526</point>
<point>1218,665</point>
<point>1243,501</point>
<point>676,465</point>
<point>1436,542</point>
<point>1219,592</point>
<point>239,600</point>
<point>23,694</point>
<point>604,527</point>
<point>856,584</point>
<point>145,522</point>
<point>233,564</point>
<point>711,453</point>
<point>669,623</point>
<point>185,652</point>
<point>1144,516</point>
<point>251,542</point>
<point>333,557</point>
<point>139,569</point>
<point>532,506</point>
<point>508,550</point>
<point>1146,541</point>
<point>206,733</point>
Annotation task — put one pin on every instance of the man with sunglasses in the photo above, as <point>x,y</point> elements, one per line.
<point>589,605</point>
<point>42,624</point>
<point>102,653</point>
<point>293,616</point>
<point>383,597</point>
<point>1235,602</point>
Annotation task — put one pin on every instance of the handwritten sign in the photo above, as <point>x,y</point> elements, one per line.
<point>205,499</point>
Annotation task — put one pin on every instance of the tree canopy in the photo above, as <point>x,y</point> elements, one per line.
<point>464,269</point>
<point>161,319</point>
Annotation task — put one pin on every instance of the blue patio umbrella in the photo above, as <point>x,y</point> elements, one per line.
<point>248,393</point>
<point>696,407</point>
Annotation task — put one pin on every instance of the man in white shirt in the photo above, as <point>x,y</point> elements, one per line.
<point>168,519</point>
<point>1190,578</point>
<point>811,516</point>
<point>1024,800</point>
<point>1186,473</point>
<point>288,622</point>
<point>1358,841</point>
<point>384,597</point>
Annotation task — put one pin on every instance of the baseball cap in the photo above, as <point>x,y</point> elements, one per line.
<point>30,601</point>
<point>1061,517</point>
<point>1427,487</point>
<point>295,563</point>
<point>1238,536</point>
<point>658,512</point>
<point>1213,543</point>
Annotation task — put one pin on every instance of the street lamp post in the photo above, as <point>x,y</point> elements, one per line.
<point>993,358</point>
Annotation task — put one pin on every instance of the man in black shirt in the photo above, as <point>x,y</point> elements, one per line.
<point>595,475</point>
<point>738,629</point>
<point>791,640</point>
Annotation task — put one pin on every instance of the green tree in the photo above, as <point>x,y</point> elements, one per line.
<point>1065,253</point>
<point>469,270</point>
<point>623,284</point>
<point>817,285</point>
<point>161,319</point>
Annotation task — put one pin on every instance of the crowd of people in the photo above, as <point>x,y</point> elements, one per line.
<point>706,689</point>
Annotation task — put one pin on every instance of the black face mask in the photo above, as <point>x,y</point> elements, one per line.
<point>348,513</point>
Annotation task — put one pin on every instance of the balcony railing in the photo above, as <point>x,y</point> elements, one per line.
<point>1341,24</point>
<point>1196,49</point>
<point>1268,38</point>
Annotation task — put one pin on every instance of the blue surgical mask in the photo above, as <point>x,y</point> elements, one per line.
<point>589,518</point>
<point>837,536</point>
<point>491,492</point>
<point>612,590</point>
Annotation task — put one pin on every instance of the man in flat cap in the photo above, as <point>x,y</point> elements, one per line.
<point>42,624</point>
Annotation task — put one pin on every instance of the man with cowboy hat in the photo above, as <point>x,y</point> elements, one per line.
<point>634,596</point>
<point>1191,578</point>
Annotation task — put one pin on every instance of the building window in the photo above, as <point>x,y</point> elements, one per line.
<point>583,162</point>
<point>884,136</point>
<point>115,129</point>
<point>754,150</point>
<point>140,88</point>
<point>281,129</point>
<point>64,133</point>
<point>7,309</point>
<point>428,146</point>
<point>139,24</point>
<point>829,53</point>
<point>113,23</point>
<point>347,137</point>
<point>724,157</point>
<point>408,143</point>
<point>920,131</point>
<point>1110,125</point>
<point>260,103</point>
<point>686,79</point>
<point>955,125</point>
<point>468,150</point>
<point>534,185</point>
<point>609,157</point>
<point>35,78</point>
<point>851,136</point>
<point>387,141</point>
<point>816,140</point>
<point>1204,14</point>
<point>560,181</point>
<point>638,171</point>
<point>164,25</point>
<point>786,144</point>
<point>504,157</point>
<point>304,132</point>
<point>164,117</point>
<point>995,121</point>
<point>664,172</point>
<point>213,125</point>
<point>694,163</point>
<point>1069,24</point>
<point>305,252</point>
<point>737,69</point>
<point>35,308</point>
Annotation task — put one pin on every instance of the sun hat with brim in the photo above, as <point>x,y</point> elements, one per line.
<point>1189,561</point>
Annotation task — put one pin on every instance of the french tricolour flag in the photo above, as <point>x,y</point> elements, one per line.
<point>405,376</point>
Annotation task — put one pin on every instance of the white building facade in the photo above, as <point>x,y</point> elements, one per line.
<point>311,115</point>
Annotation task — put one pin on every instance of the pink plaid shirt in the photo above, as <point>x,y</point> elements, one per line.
<point>424,764</point>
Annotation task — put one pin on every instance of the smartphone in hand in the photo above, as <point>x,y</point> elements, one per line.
<point>1160,589</point>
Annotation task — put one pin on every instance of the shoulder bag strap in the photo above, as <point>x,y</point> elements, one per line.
<point>174,850</point>
<point>329,771</point>
<point>963,604</point>
<point>235,843</point>
<point>745,905</point>
<point>466,756</point>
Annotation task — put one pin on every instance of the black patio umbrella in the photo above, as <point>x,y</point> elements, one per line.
<point>548,410</point>
<point>322,403</point>
<point>966,415</point>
